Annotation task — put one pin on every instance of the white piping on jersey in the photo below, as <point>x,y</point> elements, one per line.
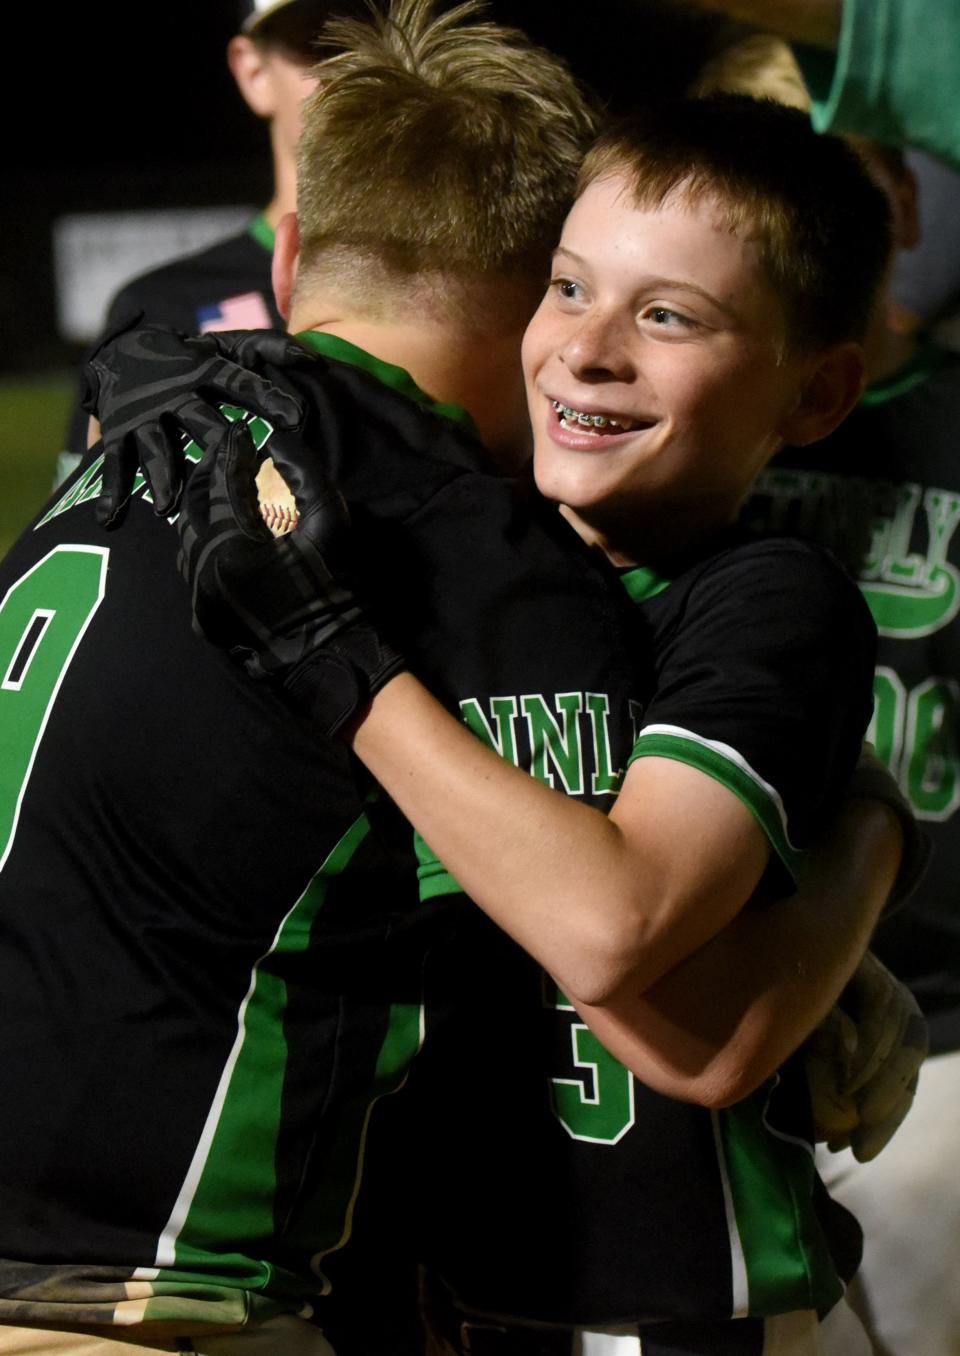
<point>796,1140</point>
<point>166,1246</point>
<point>620,1341</point>
<point>739,1283</point>
<point>733,756</point>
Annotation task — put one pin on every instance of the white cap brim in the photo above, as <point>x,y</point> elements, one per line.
<point>261,10</point>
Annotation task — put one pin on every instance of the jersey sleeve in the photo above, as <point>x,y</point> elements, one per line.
<point>764,682</point>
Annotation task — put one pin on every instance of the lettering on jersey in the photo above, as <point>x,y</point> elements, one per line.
<point>605,781</point>
<point>915,731</point>
<point>563,740</point>
<point>894,537</point>
<point>594,1099</point>
<point>90,484</point>
<point>563,748</point>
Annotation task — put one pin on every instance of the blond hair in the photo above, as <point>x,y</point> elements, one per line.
<point>440,146</point>
<point>759,65</point>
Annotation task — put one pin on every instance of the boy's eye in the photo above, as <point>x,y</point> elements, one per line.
<point>565,288</point>
<point>663,316</point>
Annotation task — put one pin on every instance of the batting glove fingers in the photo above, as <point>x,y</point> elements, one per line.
<point>283,606</point>
<point>148,386</point>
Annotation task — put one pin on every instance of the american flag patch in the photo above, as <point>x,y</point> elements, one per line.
<point>246,312</point>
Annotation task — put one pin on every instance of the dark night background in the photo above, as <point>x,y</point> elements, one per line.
<point>131,106</point>
<point>112,107</point>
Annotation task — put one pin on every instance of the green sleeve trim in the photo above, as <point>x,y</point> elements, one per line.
<point>435,880</point>
<point>332,346</point>
<point>262,232</point>
<point>725,765</point>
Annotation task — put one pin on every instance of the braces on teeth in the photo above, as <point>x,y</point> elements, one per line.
<point>597,420</point>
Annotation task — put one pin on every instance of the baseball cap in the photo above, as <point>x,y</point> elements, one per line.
<point>253,12</point>
<point>296,23</point>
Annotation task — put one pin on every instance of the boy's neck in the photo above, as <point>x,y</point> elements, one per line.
<point>664,539</point>
<point>451,364</point>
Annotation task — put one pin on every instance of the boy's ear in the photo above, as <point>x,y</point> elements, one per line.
<point>286,256</point>
<point>251,71</point>
<point>833,385</point>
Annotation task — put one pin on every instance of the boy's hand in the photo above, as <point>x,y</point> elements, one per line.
<point>283,606</point>
<point>863,1062</point>
<point>148,386</point>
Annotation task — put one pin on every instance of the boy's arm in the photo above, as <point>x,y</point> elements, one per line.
<point>726,1017</point>
<point>603,902</point>
<point>763,687</point>
<point>608,906</point>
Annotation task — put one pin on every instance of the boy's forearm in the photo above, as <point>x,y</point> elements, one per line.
<point>816,22</point>
<point>725,1018</point>
<point>599,903</point>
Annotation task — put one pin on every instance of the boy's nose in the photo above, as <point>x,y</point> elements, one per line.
<point>596,351</point>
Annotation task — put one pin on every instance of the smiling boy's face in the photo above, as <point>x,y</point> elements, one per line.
<point>658,375</point>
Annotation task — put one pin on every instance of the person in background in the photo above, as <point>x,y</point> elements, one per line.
<point>925,285</point>
<point>885,70</point>
<point>227,285</point>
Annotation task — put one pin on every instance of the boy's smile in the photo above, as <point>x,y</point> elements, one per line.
<point>655,365</point>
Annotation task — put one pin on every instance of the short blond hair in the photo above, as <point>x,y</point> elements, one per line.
<point>759,65</point>
<point>442,146</point>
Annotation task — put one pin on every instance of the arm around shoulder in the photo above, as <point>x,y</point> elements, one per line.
<point>720,1023</point>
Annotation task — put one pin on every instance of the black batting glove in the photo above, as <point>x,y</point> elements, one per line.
<point>282,606</point>
<point>149,385</point>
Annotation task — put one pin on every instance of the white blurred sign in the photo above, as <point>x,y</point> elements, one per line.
<point>95,253</point>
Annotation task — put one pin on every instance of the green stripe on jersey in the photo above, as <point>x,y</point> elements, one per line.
<point>325,1224</point>
<point>230,1187</point>
<point>779,1255</point>
<point>725,765</point>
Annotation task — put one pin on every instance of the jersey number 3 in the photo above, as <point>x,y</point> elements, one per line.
<point>597,1105</point>
<point>43,617</point>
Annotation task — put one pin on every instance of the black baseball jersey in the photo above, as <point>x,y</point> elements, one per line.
<point>226,286</point>
<point>210,949</point>
<point>553,1187</point>
<point>884,491</point>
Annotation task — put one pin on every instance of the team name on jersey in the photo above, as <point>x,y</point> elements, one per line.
<point>564,740</point>
<point>901,553</point>
<point>897,537</point>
